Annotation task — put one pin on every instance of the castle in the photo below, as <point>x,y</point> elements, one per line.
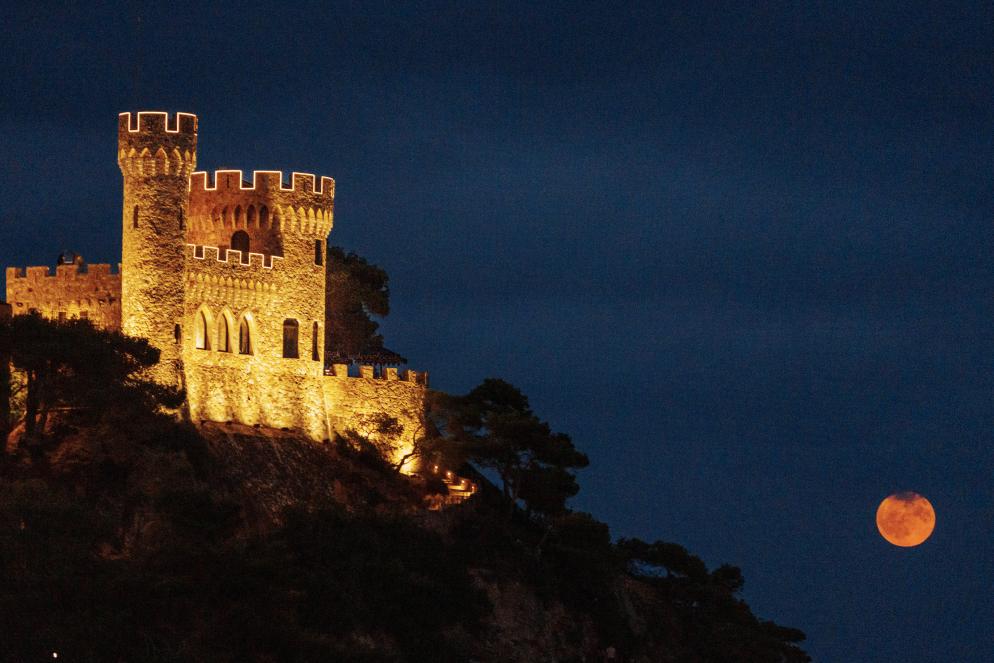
<point>226,276</point>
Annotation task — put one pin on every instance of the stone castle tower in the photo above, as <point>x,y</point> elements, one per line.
<point>226,276</point>
<point>156,160</point>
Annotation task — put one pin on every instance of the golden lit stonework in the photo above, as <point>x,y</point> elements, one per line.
<point>225,274</point>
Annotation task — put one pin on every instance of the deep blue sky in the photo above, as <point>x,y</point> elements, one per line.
<point>742,255</point>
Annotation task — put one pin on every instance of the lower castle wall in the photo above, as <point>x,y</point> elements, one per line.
<point>354,402</point>
<point>223,387</point>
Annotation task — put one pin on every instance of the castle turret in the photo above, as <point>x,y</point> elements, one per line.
<point>156,154</point>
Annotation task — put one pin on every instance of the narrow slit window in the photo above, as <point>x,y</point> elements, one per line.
<point>134,217</point>
<point>244,340</point>
<point>223,342</point>
<point>315,348</point>
<point>318,252</point>
<point>290,335</point>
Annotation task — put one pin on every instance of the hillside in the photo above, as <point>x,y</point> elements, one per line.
<point>231,543</point>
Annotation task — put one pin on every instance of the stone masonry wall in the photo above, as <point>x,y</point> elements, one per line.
<point>70,293</point>
<point>353,402</point>
<point>260,387</point>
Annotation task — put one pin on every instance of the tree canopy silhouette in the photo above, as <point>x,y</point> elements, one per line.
<point>494,428</point>
<point>73,365</point>
<point>356,290</point>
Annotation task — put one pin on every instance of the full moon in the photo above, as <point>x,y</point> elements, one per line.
<point>905,519</point>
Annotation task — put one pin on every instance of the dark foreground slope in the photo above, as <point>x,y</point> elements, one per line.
<point>161,542</point>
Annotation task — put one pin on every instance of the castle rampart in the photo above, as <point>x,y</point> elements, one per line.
<point>74,291</point>
<point>231,257</point>
<point>265,181</point>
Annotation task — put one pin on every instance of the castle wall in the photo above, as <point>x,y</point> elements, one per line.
<point>261,387</point>
<point>264,387</point>
<point>354,403</point>
<point>70,293</point>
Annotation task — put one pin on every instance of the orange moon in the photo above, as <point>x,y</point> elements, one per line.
<point>905,519</point>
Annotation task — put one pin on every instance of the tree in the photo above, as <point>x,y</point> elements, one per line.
<point>720,625</point>
<point>71,364</point>
<point>494,428</point>
<point>356,290</point>
<point>671,558</point>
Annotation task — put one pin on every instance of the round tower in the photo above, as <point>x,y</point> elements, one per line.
<point>156,154</point>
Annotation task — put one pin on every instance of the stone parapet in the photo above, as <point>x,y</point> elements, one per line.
<point>73,291</point>
<point>386,373</point>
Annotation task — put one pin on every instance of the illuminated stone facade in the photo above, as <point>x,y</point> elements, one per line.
<point>226,276</point>
<point>74,291</point>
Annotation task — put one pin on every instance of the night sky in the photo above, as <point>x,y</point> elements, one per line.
<point>743,256</point>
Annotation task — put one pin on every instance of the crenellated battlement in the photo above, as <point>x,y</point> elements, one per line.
<point>262,181</point>
<point>233,257</point>
<point>65,272</point>
<point>157,122</point>
<point>370,372</point>
<point>151,143</point>
<point>73,290</point>
<point>224,201</point>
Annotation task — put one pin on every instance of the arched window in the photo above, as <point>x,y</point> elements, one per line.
<point>250,217</point>
<point>263,217</point>
<point>134,217</point>
<point>290,328</point>
<point>244,342</point>
<point>240,242</point>
<point>315,348</point>
<point>238,216</point>
<point>223,336</point>
<point>203,332</point>
<point>224,217</point>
